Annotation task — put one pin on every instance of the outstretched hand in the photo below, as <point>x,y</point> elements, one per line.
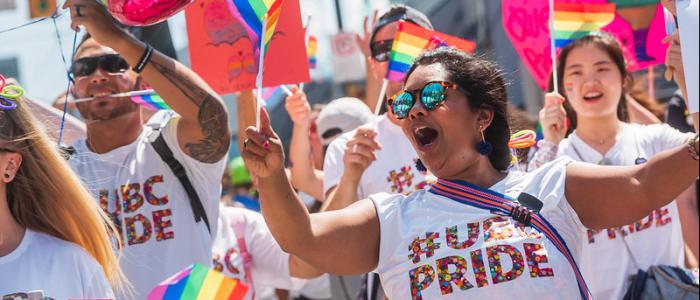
<point>298,108</point>
<point>92,15</point>
<point>364,40</point>
<point>263,153</point>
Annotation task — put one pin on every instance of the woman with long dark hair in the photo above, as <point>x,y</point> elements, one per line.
<point>594,79</point>
<point>480,231</point>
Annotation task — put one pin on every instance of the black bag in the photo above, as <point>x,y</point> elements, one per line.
<point>663,283</point>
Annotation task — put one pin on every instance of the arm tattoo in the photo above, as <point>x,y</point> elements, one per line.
<point>212,117</point>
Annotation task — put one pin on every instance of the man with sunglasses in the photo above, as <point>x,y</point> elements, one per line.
<point>379,158</point>
<point>166,224</point>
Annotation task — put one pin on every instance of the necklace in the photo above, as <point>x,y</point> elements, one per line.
<point>603,140</point>
<point>603,162</point>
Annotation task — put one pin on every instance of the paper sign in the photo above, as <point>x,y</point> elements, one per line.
<point>223,55</point>
<point>526,23</point>
<point>348,63</point>
<point>643,45</point>
<point>41,8</point>
<point>688,25</point>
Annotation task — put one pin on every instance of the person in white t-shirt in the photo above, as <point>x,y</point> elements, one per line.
<point>592,73</point>
<point>53,240</point>
<point>245,249</point>
<point>376,157</point>
<point>163,229</point>
<point>461,238</point>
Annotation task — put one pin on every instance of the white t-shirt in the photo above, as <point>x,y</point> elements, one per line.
<point>48,266</point>
<point>655,240</point>
<point>270,265</point>
<point>434,247</point>
<point>394,170</point>
<point>150,206</point>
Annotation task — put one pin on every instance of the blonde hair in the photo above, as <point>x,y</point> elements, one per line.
<point>46,196</point>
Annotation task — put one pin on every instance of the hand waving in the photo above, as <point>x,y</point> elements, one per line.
<point>262,150</point>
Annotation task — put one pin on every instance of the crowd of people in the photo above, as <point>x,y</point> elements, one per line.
<point>423,201</point>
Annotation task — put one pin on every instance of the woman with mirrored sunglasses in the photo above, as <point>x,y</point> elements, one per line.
<point>480,231</point>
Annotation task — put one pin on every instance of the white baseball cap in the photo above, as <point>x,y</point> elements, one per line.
<point>340,116</point>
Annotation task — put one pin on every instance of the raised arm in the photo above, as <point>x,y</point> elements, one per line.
<point>304,176</point>
<point>319,239</point>
<point>605,197</point>
<point>203,131</point>
<point>358,154</point>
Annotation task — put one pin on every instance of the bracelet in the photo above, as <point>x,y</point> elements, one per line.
<point>144,59</point>
<point>691,148</point>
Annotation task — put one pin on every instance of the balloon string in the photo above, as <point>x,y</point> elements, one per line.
<point>68,77</point>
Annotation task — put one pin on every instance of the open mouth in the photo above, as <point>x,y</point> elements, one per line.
<point>593,96</point>
<point>425,136</point>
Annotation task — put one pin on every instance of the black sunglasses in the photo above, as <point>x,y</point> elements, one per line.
<point>381,50</point>
<point>111,63</point>
<point>431,95</point>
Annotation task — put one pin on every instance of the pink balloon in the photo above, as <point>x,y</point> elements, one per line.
<point>145,12</point>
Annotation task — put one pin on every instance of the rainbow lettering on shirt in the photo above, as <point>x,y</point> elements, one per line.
<point>137,227</point>
<point>658,218</point>
<point>528,256</point>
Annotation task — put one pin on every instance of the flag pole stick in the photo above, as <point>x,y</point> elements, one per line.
<point>259,80</point>
<point>119,95</point>
<point>380,101</point>
<point>306,42</point>
<point>553,48</point>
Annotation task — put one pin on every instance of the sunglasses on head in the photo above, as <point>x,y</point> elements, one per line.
<point>111,63</point>
<point>381,50</point>
<point>431,95</point>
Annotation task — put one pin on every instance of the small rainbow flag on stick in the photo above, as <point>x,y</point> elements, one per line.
<point>150,101</point>
<point>573,21</point>
<point>311,49</point>
<point>198,282</point>
<point>254,12</point>
<point>411,40</point>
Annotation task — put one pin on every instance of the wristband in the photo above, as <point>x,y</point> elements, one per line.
<point>144,59</point>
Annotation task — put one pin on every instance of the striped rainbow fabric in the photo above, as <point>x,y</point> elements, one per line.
<point>253,12</point>
<point>311,49</point>
<point>198,282</point>
<point>410,41</point>
<point>150,101</point>
<point>573,21</point>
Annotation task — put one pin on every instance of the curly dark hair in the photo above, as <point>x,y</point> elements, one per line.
<point>485,88</point>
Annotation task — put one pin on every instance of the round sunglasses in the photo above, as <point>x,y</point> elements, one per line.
<point>111,63</point>
<point>431,95</point>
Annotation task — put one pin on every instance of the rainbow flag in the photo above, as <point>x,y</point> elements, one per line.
<point>311,49</point>
<point>150,101</point>
<point>253,13</point>
<point>573,21</point>
<point>410,41</point>
<point>198,282</point>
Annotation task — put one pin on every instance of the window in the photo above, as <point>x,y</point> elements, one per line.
<point>8,66</point>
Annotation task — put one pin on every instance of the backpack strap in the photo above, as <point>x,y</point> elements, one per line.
<point>178,170</point>
<point>525,213</point>
<point>238,225</point>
